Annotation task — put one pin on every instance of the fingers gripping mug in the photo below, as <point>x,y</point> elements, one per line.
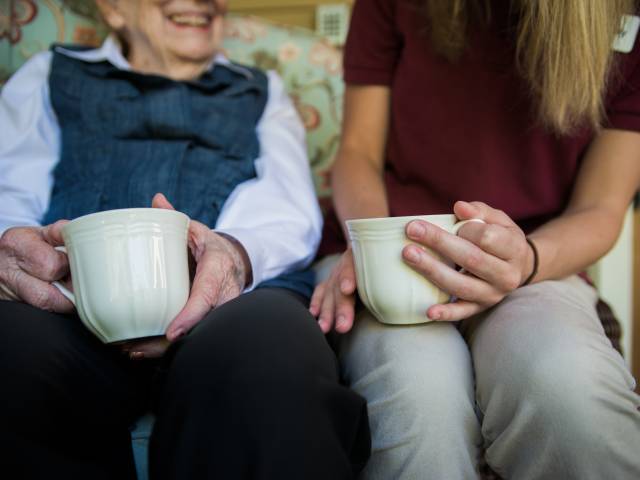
<point>392,291</point>
<point>129,270</point>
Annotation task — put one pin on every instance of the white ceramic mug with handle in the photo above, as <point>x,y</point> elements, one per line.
<point>129,270</point>
<point>389,288</point>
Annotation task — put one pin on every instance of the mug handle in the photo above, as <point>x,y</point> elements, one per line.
<point>64,290</point>
<point>456,228</point>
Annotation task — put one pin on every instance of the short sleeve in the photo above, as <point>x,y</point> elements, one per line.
<point>374,43</point>
<point>623,105</point>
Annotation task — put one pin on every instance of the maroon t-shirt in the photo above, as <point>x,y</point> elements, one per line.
<point>467,130</point>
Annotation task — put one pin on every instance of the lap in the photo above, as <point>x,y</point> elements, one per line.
<point>542,337</point>
<point>371,343</point>
<point>57,356</point>
<point>551,316</point>
<point>46,355</point>
<point>263,341</point>
<point>25,326</point>
<point>379,360</point>
<point>37,340</point>
<point>546,332</point>
<point>434,352</point>
<point>268,321</point>
<point>562,305</point>
<point>56,370</point>
<point>262,315</point>
<point>418,383</point>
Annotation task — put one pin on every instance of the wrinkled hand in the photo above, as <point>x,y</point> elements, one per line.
<point>495,256</point>
<point>221,275</point>
<point>29,263</point>
<point>333,301</point>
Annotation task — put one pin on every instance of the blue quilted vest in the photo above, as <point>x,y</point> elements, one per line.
<point>127,136</point>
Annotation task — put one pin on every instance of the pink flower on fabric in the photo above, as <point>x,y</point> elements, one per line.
<point>15,15</point>
<point>288,52</point>
<point>308,113</point>
<point>327,56</point>
<point>246,29</point>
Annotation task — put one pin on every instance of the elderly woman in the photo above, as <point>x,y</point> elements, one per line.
<point>245,390</point>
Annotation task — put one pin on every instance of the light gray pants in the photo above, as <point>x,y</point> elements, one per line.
<point>552,398</point>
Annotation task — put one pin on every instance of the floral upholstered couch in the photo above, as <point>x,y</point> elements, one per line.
<point>310,67</point>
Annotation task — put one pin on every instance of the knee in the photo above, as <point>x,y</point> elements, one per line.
<point>562,393</point>
<point>414,378</point>
<point>265,338</point>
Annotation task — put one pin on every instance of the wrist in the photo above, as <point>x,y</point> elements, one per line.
<point>241,259</point>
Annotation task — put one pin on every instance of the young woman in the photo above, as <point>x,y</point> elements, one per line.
<point>249,387</point>
<point>524,113</point>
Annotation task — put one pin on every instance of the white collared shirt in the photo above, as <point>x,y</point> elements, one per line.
<point>275,215</point>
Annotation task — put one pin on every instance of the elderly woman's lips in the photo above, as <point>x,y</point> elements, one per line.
<point>191,19</point>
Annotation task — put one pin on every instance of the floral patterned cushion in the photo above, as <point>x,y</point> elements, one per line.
<point>312,72</point>
<point>30,26</point>
<point>308,64</point>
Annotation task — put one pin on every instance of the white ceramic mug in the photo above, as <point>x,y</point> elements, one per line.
<point>129,270</point>
<point>390,289</point>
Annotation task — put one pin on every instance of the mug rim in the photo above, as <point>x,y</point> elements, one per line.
<point>106,214</point>
<point>395,222</point>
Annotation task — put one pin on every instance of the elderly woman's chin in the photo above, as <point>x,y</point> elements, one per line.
<point>194,45</point>
<point>194,52</point>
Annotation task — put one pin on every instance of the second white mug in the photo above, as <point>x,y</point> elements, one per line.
<point>389,288</point>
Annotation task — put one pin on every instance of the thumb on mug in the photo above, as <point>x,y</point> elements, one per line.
<point>160,201</point>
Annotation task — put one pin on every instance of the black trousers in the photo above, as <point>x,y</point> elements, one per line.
<point>251,393</point>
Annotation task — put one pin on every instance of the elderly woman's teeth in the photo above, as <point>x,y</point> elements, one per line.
<point>190,19</point>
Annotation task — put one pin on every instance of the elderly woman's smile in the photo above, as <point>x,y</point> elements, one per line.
<point>174,38</point>
<point>195,14</point>
<point>191,19</point>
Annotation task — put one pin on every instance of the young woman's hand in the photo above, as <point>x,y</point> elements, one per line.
<point>495,256</point>
<point>333,301</point>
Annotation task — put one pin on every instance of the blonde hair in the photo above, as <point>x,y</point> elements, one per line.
<point>563,51</point>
